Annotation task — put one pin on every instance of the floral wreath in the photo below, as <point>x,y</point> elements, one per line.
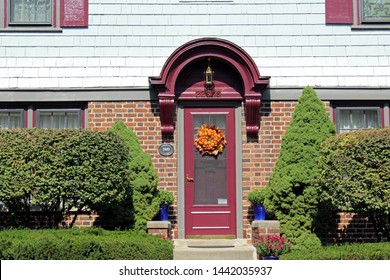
<point>210,140</point>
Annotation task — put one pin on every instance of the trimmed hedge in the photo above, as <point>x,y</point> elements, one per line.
<point>82,244</point>
<point>58,170</point>
<point>357,251</point>
<point>355,175</point>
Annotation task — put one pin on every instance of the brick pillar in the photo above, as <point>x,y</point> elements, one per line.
<point>263,228</point>
<point>161,229</point>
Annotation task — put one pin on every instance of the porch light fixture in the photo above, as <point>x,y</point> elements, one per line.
<point>209,77</point>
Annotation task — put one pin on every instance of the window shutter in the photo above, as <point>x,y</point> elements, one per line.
<point>74,13</point>
<point>339,11</point>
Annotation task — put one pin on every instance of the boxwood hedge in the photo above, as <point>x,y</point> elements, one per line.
<point>356,251</point>
<point>82,244</point>
<point>60,170</point>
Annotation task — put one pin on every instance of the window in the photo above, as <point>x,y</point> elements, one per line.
<point>25,12</point>
<point>364,14</point>
<point>351,119</point>
<point>375,11</point>
<point>11,119</point>
<point>59,119</point>
<point>42,15</point>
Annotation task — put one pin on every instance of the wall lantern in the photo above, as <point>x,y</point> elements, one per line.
<point>209,77</point>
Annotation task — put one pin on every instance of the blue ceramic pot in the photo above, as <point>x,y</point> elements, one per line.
<point>271,258</point>
<point>164,211</point>
<point>260,212</point>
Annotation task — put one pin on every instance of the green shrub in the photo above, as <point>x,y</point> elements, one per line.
<point>78,244</point>
<point>292,195</point>
<point>307,241</point>
<point>58,170</point>
<point>165,197</point>
<point>355,175</point>
<point>357,251</point>
<point>257,196</point>
<point>143,178</point>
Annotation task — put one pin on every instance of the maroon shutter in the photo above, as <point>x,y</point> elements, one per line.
<point>339,11</point>
<point>74,13</point>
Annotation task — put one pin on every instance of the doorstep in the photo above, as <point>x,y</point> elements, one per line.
<point>213,249</point>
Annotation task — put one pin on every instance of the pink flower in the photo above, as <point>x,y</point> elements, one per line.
<point>273,245</point>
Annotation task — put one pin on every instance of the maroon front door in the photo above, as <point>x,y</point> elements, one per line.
<point>210,181</point>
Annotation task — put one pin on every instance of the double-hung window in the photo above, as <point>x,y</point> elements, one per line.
<point>11,119</point>
<point>59,119</point>
<point>30,12</point>
<point>42,15</point>
<point>355,118</point>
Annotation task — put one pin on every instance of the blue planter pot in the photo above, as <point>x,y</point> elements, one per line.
<point>271,258</point>
<point>164,211</point>
<point>260,212</point>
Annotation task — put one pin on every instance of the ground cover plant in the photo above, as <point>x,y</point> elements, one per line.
<point>82,244</point>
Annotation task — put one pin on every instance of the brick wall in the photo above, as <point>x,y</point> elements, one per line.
<point>259,153</point>
<point>352,227</point>
<point>143,118</point>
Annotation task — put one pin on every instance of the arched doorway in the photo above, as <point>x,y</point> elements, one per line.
<point>209,186</point>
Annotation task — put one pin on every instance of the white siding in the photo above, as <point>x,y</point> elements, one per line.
<point>128,41</point>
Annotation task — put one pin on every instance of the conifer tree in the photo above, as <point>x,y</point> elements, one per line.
<point>143,178</point>
<point>292,194</point>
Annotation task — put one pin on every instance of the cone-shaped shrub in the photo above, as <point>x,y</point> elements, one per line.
<point>143,177</point>
<point>292,195</point>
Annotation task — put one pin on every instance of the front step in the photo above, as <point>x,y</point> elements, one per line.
<point>213,249</point>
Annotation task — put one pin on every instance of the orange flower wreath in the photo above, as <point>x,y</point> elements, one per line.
<point>210,140</point>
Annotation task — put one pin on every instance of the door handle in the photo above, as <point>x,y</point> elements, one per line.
<point>188,179</point>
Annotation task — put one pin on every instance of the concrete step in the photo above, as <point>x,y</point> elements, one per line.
<point>213,249</point>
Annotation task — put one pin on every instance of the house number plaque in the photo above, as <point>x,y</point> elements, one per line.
<point>165,149</point>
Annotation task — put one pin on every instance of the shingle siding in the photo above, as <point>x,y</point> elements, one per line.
<point>128,41</point>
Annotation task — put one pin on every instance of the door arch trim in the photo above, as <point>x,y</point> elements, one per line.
<point>204,48</point>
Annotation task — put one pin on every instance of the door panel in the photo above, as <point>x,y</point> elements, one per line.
<point>210,190</point>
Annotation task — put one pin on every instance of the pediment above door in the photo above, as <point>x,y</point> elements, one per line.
<point>236,77</point>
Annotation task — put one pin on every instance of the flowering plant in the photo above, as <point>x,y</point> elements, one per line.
<point>273,245</point>
<point>210,140</point>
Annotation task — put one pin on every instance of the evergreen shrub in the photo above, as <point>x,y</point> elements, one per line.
<point>60,170</point>
<point>355,175</point>
<point>143,178</point>
<point>292,195</point>
<point>82,244</point>
<point>356,251</point>
<point>166,197</point>
<point>257,196</point>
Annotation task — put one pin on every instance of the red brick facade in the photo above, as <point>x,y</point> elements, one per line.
<point>259,154</point>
